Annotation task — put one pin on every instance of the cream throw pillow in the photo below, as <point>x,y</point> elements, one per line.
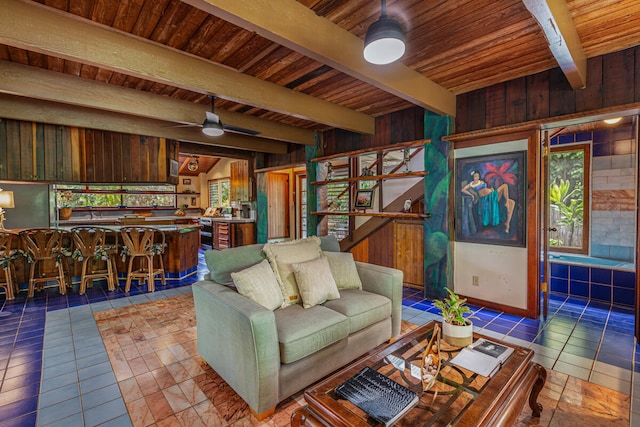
<point>343,269</point>
<point>259,284</point>
<point>315,282</point>
<point>282,254</point>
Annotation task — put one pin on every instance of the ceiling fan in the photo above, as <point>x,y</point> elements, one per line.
<point>213,126</point>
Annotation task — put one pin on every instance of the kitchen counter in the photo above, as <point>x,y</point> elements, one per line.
<point>116,220</point>
<point>232,220</point>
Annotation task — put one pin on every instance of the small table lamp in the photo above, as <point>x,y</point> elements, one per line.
<point>6,201</point>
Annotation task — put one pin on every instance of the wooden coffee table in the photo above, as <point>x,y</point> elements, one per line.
<point>459,397</point>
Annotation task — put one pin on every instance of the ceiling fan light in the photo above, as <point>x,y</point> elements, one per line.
<point>384,42</point>
<point>212,128</point>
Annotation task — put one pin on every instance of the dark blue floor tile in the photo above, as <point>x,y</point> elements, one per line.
<point>498,328</point>
<point>20,381</point>
<point>523,335</point>
<point>19,414</point>
<point>528,329</point>
<point>509,317</point>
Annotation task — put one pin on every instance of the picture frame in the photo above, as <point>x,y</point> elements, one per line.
<point>186,181</point>
<point>173,168</point>
<point>363,199</point>
<point>490,200</point>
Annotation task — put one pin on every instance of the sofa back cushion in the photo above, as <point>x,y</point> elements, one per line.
<point>315,282</point>
<point>344,270</point>
<point>259,284</point>
<point>222,263</point>
<point>282,255</point>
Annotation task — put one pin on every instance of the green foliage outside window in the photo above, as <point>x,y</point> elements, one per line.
<point>567,198</point>
<point>104,196</point>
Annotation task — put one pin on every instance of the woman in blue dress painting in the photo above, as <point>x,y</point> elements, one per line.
<point>487,201</point>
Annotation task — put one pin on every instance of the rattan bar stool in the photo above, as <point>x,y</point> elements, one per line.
<point>7,254</point>
<point>89,248</point>
<point>144,243</point>
<point>44,249</point>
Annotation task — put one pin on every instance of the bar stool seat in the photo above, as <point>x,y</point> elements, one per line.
<point>7,255</point>
<point>143,243</point>
<point>44,247</point>
<point>89,248</point>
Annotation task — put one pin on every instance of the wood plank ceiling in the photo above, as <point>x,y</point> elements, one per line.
<point>272,66</point>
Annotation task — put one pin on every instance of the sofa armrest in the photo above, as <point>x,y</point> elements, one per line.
<point>239,340</point>
<point>385,281</point>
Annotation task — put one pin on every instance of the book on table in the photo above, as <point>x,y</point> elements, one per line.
<point>382,398</point>
<point>484,357</point>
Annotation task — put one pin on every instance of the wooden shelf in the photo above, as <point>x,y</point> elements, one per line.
<point>386,148</point>
<point>374,177</point>
<point>376,214</point>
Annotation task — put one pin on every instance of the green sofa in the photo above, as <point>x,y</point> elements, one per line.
<point>267,356</point>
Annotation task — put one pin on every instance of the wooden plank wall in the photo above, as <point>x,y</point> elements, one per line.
<point>612,80</point>
<point>51,153</point>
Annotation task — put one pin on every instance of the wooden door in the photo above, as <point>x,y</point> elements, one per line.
<point>278,205</point>
<point>409,251</point>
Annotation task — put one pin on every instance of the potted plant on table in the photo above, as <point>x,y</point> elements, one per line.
<point>457,329</point>
<point>64,213</point>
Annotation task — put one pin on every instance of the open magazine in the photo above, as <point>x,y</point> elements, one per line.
<point>484,357</point>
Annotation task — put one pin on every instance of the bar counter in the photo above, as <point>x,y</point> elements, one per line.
<point>180,257</point>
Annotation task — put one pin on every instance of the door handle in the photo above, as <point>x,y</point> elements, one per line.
<point>553,229</point>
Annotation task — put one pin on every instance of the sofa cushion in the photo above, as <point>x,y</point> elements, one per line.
<point>315,281</point>
<point>259,284</point>
<point>222,263</point>
<point>302,332</point>
<point>362,308</point>
<point>344,271</point>
<point>282,254</point>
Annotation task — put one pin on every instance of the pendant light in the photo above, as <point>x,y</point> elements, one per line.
<point>384,42</point>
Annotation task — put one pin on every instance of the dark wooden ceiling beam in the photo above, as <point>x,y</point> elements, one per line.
<point>554,18</point>
<point>213,151</point>
<point>28,109</point>
<point>47,85</point>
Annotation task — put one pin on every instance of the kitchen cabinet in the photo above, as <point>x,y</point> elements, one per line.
<point>239,188</point>
<point>230,234</point>
<point>220,235</point>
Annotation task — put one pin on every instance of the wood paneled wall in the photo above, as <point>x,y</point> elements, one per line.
<point>401,126</point>
<point>612,80</point>
<point>52,153</point>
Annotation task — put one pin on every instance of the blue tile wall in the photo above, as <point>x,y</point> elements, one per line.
<point>601,275</point>
<point>599,284</point>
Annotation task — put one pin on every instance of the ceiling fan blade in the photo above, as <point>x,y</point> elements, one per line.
<point>190,125</point>
<point>240,130</point>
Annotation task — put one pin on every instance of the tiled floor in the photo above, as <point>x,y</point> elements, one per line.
<point>51,351</point>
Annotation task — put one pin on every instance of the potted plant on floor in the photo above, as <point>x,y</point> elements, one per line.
<point>457,329</point>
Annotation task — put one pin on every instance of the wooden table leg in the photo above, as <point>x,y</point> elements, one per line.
<point>302,417</point>
<point>541,377</point>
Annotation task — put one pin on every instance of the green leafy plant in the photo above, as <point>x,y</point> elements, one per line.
<point>453,308</point>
